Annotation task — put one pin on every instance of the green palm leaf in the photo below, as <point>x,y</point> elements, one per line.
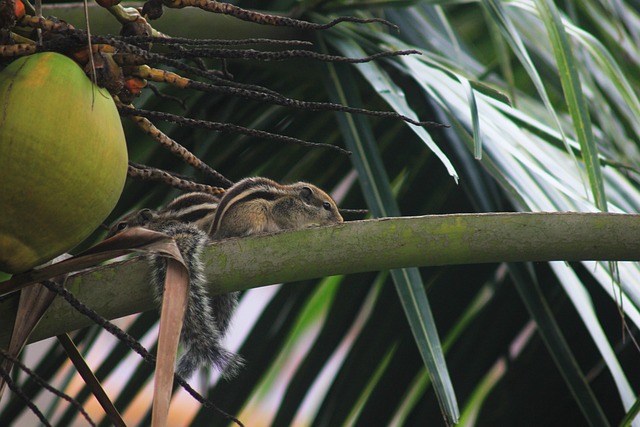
<point>359,139</point>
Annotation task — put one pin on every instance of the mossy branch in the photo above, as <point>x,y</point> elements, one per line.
<point>236,264</point>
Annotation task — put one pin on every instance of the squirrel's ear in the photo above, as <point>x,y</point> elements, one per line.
<point>306,193</point>
<point>145,214</point>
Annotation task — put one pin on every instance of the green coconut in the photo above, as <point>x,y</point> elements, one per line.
<point>63,159</point>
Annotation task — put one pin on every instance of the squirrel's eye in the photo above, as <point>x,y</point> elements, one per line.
<point>326,206</point>
<point>121,226</point>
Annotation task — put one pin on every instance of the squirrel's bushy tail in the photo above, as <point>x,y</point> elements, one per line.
<point>202,332</point>
<point>202,335</point>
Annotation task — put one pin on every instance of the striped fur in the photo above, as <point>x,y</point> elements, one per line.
<point>197,208</point>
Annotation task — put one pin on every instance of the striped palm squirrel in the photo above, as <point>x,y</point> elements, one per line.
<point>251,206</point>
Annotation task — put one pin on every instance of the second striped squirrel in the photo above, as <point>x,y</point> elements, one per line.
<point>251,206</point>
<point>197,208</point>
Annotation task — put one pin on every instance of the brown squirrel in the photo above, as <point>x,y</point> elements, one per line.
<point>260,205</point>
<point>251,206</point>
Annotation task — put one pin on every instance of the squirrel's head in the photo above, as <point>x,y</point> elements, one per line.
<point>132,219</point>
<point>308,206</point>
